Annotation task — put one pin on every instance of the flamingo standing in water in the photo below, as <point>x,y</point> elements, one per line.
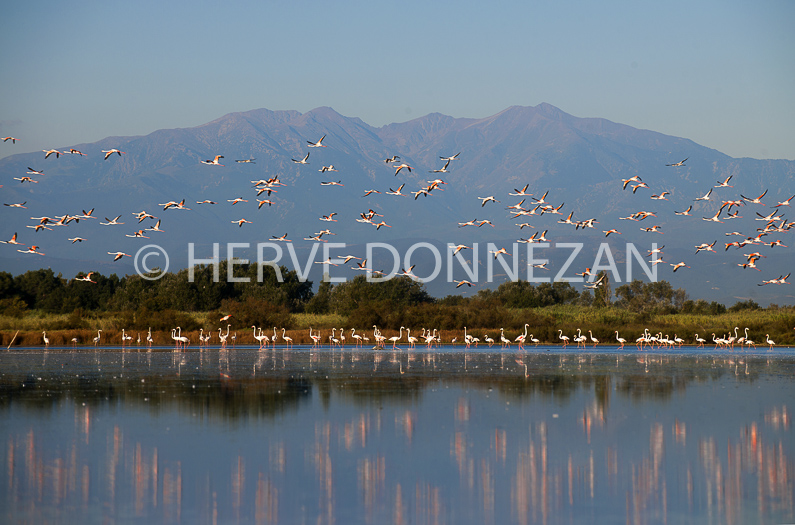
<point>96,339</point>
<point>521,338</point>
<point>149,339</point>
<point>332,339</point>
<point>504,341</point>
<point>412,340</point>
<point>356,337</point>
<point>182,341</point>
<point>620,340</point>
<point>258,337</point>
<point>396,338</point>
<point>46,341</point>
<point>594,340</point>
<point>288,340</point>
<point>563,338</point>
<point>769,341</point>
<point>223,337</point>
<point>314,337</point>
<point>125,338</point>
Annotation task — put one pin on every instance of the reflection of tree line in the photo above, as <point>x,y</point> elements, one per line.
<point>233,389</point>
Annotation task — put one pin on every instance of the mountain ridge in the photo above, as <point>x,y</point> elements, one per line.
<point>580,161</point>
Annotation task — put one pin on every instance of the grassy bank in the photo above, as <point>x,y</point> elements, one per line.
<point>544,324</point>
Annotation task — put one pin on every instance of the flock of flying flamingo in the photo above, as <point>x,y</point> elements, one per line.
<point>538,206</point>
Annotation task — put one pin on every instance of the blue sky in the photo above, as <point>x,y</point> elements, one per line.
<point>718,72</point>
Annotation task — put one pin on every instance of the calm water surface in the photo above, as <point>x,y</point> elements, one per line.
<point>371,437</point>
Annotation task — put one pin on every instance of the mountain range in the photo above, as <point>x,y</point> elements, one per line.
<point>578,162</point>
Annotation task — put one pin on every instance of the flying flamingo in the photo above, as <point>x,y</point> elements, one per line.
<point>13,241</point>
<point>302,161</point>
<point>317,144</point>
<point>215,161</point>
<point>400,167</point>
<point>111,152</point>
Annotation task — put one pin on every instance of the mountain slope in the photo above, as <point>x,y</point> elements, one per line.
<point>579,161</point>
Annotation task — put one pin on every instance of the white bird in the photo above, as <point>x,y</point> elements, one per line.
<point>302,161</point>
<point>46,341</point>
<point>443,168</point>
<point>521,192</point>
<point>288,340</point>
<point>397,338</point>
<point>118,255</point>
<point>112,221</point>
<point>680,163</point>
<point>215,161</point>
<point>48,152</point>
<point>400,167</point>
<point>563,338</point>
<point>317,144</point>
<point>705,197</point>
<point>498,252</point>
<point>156,227</point>
<point>757,200</point>
<point>487,199</point>
<point>13,240</point>
<point>32,249</point>
<point>448,159</point>
<point>110,152</point>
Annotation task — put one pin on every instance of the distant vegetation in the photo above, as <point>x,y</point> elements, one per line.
<point>40,300</point>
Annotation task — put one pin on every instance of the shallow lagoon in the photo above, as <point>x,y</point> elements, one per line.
<point>362,436</point>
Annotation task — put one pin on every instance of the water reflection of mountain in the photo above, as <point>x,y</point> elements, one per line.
<point>251,384</point>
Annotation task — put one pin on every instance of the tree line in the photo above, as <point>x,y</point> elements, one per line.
<point>397,302</point>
